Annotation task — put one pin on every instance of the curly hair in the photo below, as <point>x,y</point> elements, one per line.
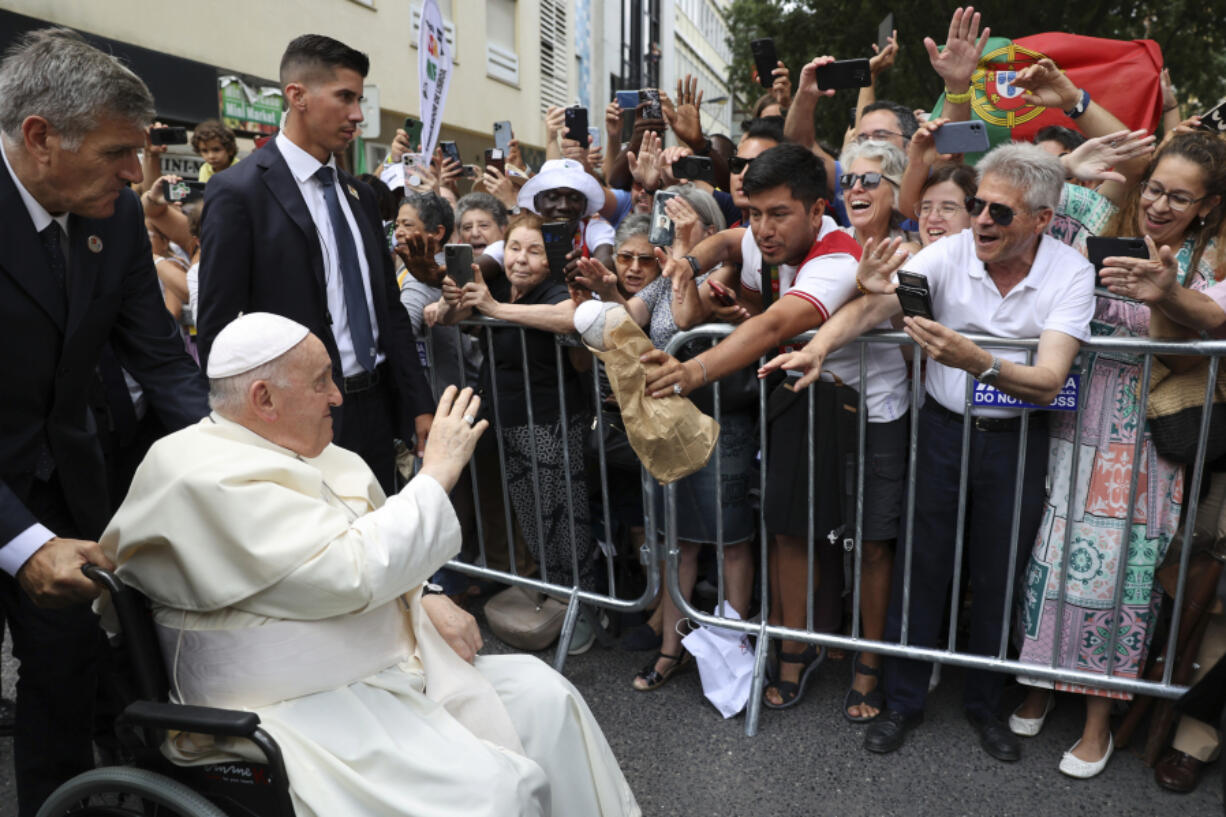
<point>1206,150</point>
<point>211,129</point>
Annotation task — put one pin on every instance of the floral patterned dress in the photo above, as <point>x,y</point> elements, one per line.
<point>1095,501</point>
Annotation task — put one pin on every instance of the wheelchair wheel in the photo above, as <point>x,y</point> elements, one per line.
<point>124,791</point>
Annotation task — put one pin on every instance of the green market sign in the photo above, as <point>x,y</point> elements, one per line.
<point>247,109</point>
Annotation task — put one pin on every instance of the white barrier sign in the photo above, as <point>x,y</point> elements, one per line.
<point>434,59</point>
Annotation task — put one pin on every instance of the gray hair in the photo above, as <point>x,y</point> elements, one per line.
<point>1037,175</point>
<point>228,394</point>
<point>891,158</point>
<point>485,203</point>
<point>703,203</point>
<point>55,74</point>
<point>434,211</point>
<point>635,224</point>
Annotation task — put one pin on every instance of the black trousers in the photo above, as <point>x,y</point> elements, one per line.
<point>57,679</point>
<point>365,424</point>
<point>992,479</point>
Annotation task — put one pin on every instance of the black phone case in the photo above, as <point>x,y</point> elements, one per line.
<point>459,259</point>
<point>576,124</point>
<point>559,240</point>
<point>915,302</point>
<point>765,60</point>
<point>844,74</point>
<point>1099,248</point>
<point>698,168</point>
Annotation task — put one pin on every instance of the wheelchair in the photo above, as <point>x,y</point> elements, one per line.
<point>153,786</point>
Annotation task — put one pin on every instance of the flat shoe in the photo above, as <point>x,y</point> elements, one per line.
<point>650,678</point>
<point>791,692</point>
<point>874,697</point>
<point>1178,772</point>
<point>1074,766</point>
<point>1029,727</point>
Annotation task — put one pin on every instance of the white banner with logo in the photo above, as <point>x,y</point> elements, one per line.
<point>434,59</point>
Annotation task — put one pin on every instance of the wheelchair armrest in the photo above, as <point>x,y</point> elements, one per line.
<point>204,719</point>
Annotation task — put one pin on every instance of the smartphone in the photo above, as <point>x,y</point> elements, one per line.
<point>653,110</point>
<point>662,231</point>
<point>412,126</point>
<point>576,124</point>
<point>168,136</point>
<point>470,172</point>
<point>593,137</point>
<point>764,60</point>
<point>182,191</point>
<point>459,260</point>
<point>626,100</point>
<point>559,241</point>
<point>961,137</point>
<point>1099,249</point>
<point>495,157</point>
<point>1214,119</point>
<point>698,168</point>
<point>450,151</point>
<point>503,136</point>
<point>722,295</point>
<point>914,295</point>
<point>885,30</point>
<point>844,74</point>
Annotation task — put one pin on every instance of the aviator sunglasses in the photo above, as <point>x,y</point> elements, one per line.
<point>999,213</point>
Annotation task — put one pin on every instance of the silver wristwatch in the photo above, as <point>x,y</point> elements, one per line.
<point>991,373</point>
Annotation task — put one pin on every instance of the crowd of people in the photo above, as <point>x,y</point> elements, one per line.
<point>355,326</point>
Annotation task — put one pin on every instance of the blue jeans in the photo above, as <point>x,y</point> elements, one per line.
<point>989,517</point>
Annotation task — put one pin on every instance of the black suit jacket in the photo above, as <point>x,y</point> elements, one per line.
<point>51,350</point>
<point>260,253</point>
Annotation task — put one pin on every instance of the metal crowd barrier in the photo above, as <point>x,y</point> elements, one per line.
<point>561,587</point>
<point>1144,349</point>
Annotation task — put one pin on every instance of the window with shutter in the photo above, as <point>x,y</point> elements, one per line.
<point>554,55</point>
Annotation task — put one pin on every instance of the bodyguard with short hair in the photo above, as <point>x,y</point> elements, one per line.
<point>76,274</point>
<point>1001,277</point>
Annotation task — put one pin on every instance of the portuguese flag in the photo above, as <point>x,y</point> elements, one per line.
<point>1122,76</point>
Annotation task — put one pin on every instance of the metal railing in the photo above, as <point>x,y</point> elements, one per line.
<point>1143,349</point>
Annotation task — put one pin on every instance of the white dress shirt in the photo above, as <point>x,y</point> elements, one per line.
<point>22,546</point>
<point>303,166</point>
<point>1057,295</point>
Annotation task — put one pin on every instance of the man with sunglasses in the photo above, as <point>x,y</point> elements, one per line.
<point>1002,277</point>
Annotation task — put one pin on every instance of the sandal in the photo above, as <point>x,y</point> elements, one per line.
<point>791,692</point>
<point>874,697</point>
<point>650,678</point>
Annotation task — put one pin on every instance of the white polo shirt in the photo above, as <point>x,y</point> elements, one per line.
<point>827,281</point>
<point>1056,295</point>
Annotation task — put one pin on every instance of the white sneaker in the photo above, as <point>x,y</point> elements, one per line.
<point>1029,727</point>
<point>1074,766</point>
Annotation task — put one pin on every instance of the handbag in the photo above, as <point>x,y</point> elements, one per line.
<point>525,619</point>
<point>725,663</point>
<point>617,451</point>
<point>1176,400</point>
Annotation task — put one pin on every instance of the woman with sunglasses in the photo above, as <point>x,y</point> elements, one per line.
<point>699,513</point>
<point>1178,208</point>
<point>870,187</point>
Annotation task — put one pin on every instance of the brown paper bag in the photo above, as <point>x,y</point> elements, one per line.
<point>672,438</point>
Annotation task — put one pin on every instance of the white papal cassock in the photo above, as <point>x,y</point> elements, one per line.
<point>292,587</point>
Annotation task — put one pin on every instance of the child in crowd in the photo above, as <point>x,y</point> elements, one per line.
<point>215,143</point>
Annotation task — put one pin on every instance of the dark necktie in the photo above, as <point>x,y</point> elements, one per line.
<point>52,236</point>
<point>351,273</point>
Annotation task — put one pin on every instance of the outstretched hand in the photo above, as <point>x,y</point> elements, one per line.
<point>1148,280</point>
<point>956,63</point>
<point>453,436</point>
<point>878,263</point>
<point>1094,158</point>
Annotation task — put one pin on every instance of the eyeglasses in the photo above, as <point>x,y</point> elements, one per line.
<point>1178,202</point>
<point>999,213</point>
<point>946,209</point>
<point>737,165</point>
<point>876,135</point>
<point>869,181</point>
<point>647,259</point>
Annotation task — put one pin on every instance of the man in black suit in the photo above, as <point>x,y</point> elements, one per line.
<point>76,273</point>
<point>286,232</point>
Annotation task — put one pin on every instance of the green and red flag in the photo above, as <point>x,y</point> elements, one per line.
<point>1122,76</point>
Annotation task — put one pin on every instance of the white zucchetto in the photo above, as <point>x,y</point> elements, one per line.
<point>252,340</point>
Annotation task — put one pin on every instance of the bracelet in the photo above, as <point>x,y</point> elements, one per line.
<point>958,99</point>
<point>1080,108</point>
<point>702,366</point>
<point>860,286</point>
<point>694,265</point>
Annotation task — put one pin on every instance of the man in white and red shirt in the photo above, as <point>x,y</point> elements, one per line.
<point>797,268</point>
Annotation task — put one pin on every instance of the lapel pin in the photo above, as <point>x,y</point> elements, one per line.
<point>353,191</point>
<point>94,243</point>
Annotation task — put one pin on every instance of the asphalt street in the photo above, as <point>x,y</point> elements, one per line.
<point>682,758</point>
